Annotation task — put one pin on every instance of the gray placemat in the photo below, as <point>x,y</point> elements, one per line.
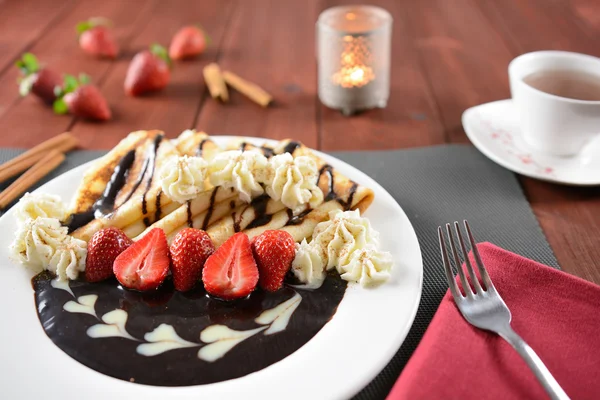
<point>433,185</point>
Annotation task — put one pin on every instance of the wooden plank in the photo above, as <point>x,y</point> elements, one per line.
<point>23,22</point>
<point>586,11</point>
<point>30,121</point>
<point>270,43</point>
<point>174,108</point>
<point>466,64</point>
<point>465,61</point>
<point>410,118</point>
<point>540,25</point>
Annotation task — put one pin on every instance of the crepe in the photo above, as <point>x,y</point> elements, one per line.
<point>141,206</point>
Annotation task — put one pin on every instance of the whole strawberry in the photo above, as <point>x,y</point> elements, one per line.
<point>188,42</point>
<point>37,80</point>
<point>145,264</point>
<point>95,38</point>
<point>103,249</point>
<point>149,71</point>
<point>230,272</point>
<point>274,252</point>
<point>189,251</point>
<point>81,99</point>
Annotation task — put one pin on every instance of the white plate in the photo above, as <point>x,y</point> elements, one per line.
<point>366,331</point>
<point>494,130</point>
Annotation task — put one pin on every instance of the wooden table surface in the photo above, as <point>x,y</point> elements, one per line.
<point>448,55</point>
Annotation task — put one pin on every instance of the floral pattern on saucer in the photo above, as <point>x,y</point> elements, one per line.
<point>494,129</point>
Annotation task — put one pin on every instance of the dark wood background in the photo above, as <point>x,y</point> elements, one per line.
<point>448,55</point>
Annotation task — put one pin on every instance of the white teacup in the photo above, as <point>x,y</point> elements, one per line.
<point>556,125</point>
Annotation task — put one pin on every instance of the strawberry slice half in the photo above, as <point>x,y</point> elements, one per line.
<point>230,272</point>
<point>145,264</point>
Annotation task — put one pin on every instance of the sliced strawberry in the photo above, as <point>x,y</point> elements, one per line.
<point>274,252</point>
<point>145,264</point>
<point>148,71</point>
<point>188,42</point>
<point>231,273</point>
<point>189,250</point>
<point>103,248</point>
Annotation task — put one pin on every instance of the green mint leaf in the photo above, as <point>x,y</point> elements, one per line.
<point>60,107</point>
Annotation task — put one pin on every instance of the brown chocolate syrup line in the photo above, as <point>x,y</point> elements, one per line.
<point>210,209</point>
<point>329,170</point>
<point>190,222</point>
<point>158,210</point>
<point>201,147</point>
<point>267,151</point>
<point>291,147</point>
<point>152,167</point>
<point>260,209</point>
<point>232,204</point>
<point>105,204</point>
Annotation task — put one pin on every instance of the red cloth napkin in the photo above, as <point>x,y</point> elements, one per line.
<point>557,314</point>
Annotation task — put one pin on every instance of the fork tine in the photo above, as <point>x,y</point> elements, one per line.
<point>482,271</point>
<point>474,279</point>
<point>461,273</point>
<point>447,267</point>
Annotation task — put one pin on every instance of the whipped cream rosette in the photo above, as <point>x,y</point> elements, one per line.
<point>342,234</point>
<point>367,266</point>
<point>243,171</point>
<point>183,178</point>
<point>308,266</point>
<point>34,205</point>
<point>294,182</point>
<point>43,243</point>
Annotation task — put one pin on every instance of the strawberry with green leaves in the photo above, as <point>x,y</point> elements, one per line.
<point>149,71</point>
<point>80,98</point>
<point>36,79</point>
<point>188,42</point>
<point>95,38</point>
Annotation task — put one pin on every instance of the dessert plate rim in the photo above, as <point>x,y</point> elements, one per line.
<point>350,350</point>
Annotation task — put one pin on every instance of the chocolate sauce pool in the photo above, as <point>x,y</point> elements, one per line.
<point>189,313</point>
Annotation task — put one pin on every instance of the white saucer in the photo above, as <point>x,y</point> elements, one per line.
<point>494,129</point>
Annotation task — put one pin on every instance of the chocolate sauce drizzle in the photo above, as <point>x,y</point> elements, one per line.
<point>105,204</point>
<point>296,219</point>
<point>291,147</point>
<point>190,222</point>
<point>328,169</point>
<point>151,166</point>
<point>201,147</point>
<point>210,209</point>
<point>158,211</point>
<point>260,209</point>
<point>188,313</point>
<point>267,151</point>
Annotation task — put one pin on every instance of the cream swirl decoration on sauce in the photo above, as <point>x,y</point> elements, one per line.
<point>34,205</point>
<point>241,170</point>
<point>368,266</point>
<point>343,233</point>
<point>183,178</point>
<point>294,182</point>
<point>308,266</point>
<point>42,243</point>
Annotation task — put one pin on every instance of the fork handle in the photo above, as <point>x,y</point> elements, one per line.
<point>535,364</point>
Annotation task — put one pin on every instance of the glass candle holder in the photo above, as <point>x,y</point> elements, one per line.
<point>354,57</point>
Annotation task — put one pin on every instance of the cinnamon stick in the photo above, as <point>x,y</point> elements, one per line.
<point>61,143</point>
<point>40,169</point>
<point>214,81</point>
<point>249,89</point>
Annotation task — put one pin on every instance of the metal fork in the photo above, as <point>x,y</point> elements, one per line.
<point>484,308</point>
